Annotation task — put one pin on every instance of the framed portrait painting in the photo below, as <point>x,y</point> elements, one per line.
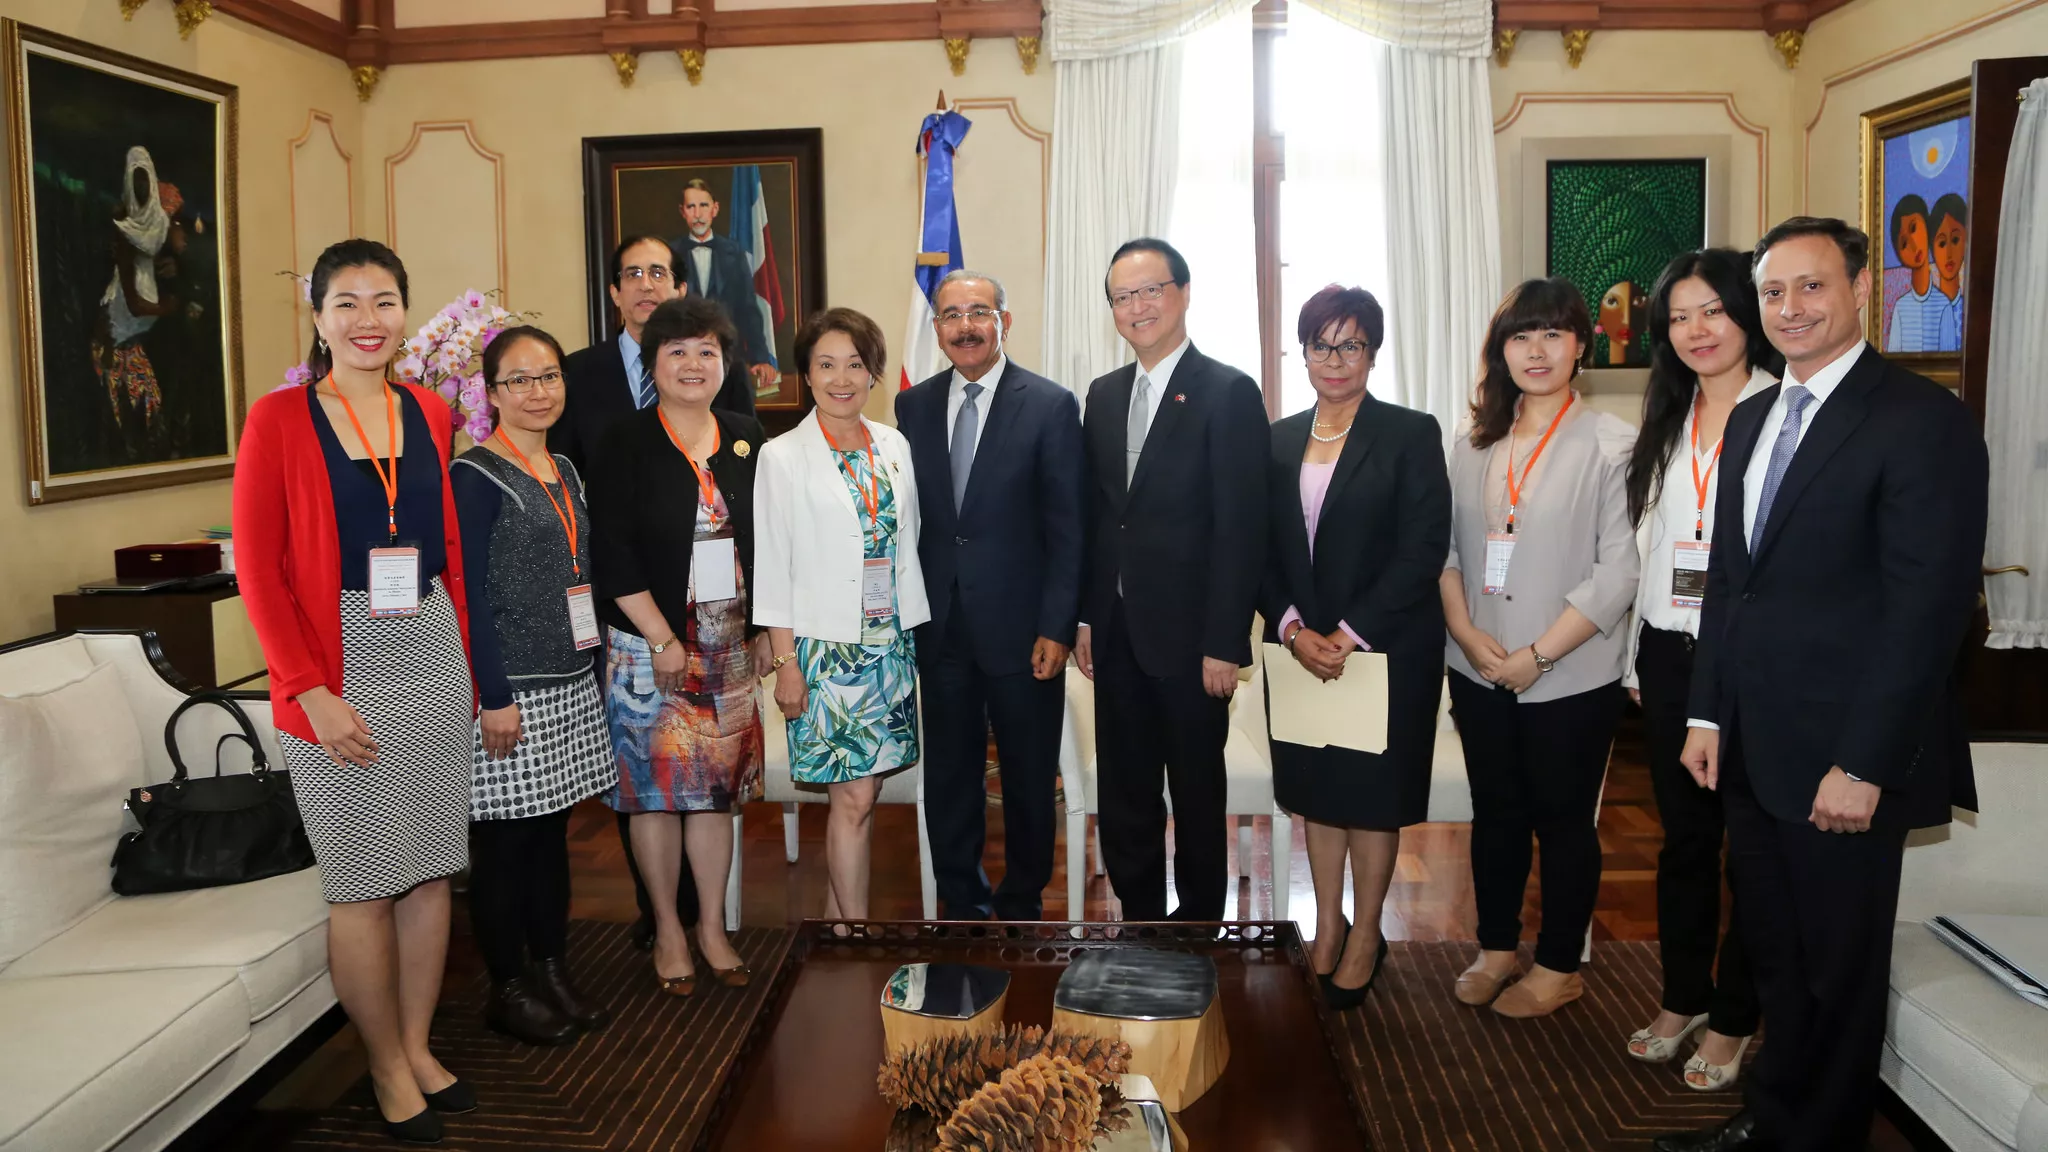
<point>744,217</point>
<point>125,255</point>
<point>1916,208</point>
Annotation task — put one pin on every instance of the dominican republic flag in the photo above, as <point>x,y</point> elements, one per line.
<point>938,248</point>
<point>749,230</point>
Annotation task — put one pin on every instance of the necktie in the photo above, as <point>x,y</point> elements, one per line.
<point>964,425</point>
<point>1136,426</point>
<point>642,394</point>
<point>1796,400</point>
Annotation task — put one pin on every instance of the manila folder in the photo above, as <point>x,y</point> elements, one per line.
<point>1349,712</point>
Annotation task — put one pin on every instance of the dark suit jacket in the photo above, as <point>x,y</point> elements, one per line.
<point>1380,541</point>
<point>1836,643</point>
<point>1187,535</point>
<point>599,394</point>
<point>1010,557</point>
<point>732,284</point>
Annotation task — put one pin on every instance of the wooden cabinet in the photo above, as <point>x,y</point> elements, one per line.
<point>205,634</point>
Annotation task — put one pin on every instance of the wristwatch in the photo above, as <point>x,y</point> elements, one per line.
<point>1543,663</point>
<point>658,649</point>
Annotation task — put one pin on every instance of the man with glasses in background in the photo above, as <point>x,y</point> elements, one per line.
<point>605,383</point>
<point>997,453</point>
<point>1177,448</point>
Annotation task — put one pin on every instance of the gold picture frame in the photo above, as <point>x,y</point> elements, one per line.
<point>1916,195</point>
<point>126,267</point>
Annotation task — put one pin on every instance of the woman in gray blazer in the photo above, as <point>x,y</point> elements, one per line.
<point>1541,574</point>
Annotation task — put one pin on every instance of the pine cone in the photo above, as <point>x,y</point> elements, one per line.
<point>1102,1058</point>
<point>1045,1104</point>
<point>912,1131</point>
<point>937,1074</point>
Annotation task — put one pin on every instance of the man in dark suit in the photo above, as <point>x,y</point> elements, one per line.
<point>714,266</point>
<point>1176,446</point>
<point>997,451</point>
<point>604,383</point>
<point>1843,571</point>
<point>605,380</point>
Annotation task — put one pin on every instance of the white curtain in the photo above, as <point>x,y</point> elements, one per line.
<point>1443,27</point>
<point>2015,403</point>
<point>1117,68</point>
<point>1212,221</point>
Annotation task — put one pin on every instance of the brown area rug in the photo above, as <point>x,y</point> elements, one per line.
<point>1434,1075</point>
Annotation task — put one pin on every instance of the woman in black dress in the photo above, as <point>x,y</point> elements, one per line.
<point>1361,518</point>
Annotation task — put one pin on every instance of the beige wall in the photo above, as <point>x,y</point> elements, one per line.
<point>54,547</point>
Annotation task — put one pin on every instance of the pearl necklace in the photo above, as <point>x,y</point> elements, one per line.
<point>1318,423</point>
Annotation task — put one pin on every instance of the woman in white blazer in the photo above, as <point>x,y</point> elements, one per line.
<point>1708,353</point>
<point>837,586</point>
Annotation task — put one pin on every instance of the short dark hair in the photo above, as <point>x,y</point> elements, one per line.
<point>1176,264</point>
<point>619,254</point>
<point>340,257</point>
<point>1949,204</point>
<point>1533,305</point>
<point>494,352</point>
<point>1853,242</point>
<point>865,334</point>
<point>1909,205</point>
<point>690,317</point>
<point>1335,304</point>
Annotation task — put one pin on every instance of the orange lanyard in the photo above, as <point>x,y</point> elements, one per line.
<point>706,486</point>
<point>1514,487</point>
<point>872,490</point>
<point>566,516</point>
<point>1699,482</point>
<point>389,481</point>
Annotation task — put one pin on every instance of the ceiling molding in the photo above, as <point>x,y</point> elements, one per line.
<point>1772,16</point>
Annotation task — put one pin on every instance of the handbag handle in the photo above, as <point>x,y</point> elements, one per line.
<point>259,763</point>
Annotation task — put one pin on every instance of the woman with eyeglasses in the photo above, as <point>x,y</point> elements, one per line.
<point>540,740</point>
<point>674,537</point>
<point>1361,517</point>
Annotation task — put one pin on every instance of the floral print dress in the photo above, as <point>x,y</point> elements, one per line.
<point>860,710</point>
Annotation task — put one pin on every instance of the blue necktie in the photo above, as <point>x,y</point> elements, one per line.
<point>1796,400</point>
<point>642,394</point>
<point>964,426</point>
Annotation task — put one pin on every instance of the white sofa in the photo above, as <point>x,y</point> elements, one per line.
<point>1968,1056</point>
<point>125,1019</point>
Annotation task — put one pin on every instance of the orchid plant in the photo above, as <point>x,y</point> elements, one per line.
<point>445,355</point>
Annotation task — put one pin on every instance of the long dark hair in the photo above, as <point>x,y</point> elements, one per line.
<point>357,253</point>
<point>1533,306</point>
<point>1670,393</point>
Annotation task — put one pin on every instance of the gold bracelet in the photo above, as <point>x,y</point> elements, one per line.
<point>776,664</point>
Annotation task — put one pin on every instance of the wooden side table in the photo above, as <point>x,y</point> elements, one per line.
<point>205,633</point>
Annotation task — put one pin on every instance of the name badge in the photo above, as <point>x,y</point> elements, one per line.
<point>1500,550</point>
<point>394,582</point>
<point>877,588</point>
<point>583,617</point>
<point>1688,573</point>
<point>712,575</point>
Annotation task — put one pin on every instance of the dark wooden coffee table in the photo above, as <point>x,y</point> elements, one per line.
<point>804,1077</point>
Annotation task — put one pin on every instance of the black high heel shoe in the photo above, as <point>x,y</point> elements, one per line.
<point>1342,999</point>
<point>1323,978</point>
<point>454,1100</point>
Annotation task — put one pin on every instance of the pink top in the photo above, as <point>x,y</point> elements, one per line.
<point>1315,485</point>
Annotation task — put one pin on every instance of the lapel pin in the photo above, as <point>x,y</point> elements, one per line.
<point>1180,397</point>
<point>740,449</point>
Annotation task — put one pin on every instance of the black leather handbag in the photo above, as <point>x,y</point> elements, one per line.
<point>201,832</point>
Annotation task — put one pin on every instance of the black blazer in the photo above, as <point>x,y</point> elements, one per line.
<point>598,393</point>
<point>643,512</point>
<point>1836,644</point>
<point>1010,557</point>
<point>1188,534</point>
<point>1382,537</point>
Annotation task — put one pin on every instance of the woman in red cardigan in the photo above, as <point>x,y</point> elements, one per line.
<point>347,555</point>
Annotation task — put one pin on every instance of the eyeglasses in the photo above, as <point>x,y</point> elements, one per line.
<point>522,385</point>
<point>950,318</point>
<point>1318,351</point>
<point>658,273</point>
<point>1150,292</point>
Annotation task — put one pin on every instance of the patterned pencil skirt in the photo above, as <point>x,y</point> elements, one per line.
<point>383,830</point>
<point>564,753</point>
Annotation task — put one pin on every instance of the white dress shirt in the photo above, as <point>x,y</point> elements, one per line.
<point>1161,376</point>
<point>956,395</point>
<point>701,257</point>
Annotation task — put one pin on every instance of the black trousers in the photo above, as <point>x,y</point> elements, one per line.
<point>1689,865</point>
<point>1535,770</point>
<point>1153,733</point>
<point>519,890</point>
<point>961,702</point>
<point>1817,910</point>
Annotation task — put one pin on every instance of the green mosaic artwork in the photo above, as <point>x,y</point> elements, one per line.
<point>1614,224</point>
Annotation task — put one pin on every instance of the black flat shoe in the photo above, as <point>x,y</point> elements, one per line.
<point>551,978</point>
<point>1737,1134</point>
<point>453,1100</point>
<point>424,1128</point>
<point>518,1009</point>
<point>1344,999</point>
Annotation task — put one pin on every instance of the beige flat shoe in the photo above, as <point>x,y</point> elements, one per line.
<point>1519,1003</point>
<point>1477,987</point>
